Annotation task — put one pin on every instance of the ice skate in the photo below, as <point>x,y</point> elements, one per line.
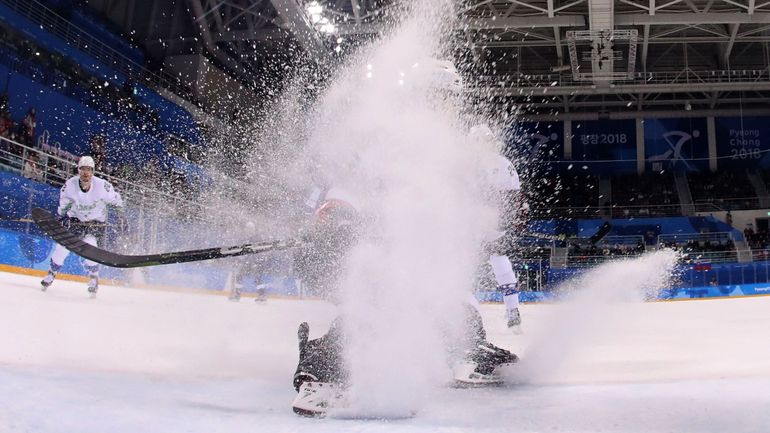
<point>481,367</point>
<point>93,286</point>
<point>514,321</point>
<point>315,399</point>
<point>261,296</point>
<point>320,378</point>
<point>47,281</point>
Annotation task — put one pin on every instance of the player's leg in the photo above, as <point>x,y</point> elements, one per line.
<point>92,267</point>
<point>481,358</point>
<point>57,260</point>
<point>507,284</point>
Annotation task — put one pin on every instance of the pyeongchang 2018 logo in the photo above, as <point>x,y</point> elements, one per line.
<point>676,141</point>
<point>541,145</point>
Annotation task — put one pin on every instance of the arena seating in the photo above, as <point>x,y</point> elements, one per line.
<point>725,189</point>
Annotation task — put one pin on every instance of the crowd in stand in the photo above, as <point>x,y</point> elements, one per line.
<point>586,254</point>
<point>563,195</point>
<point>725,189</point>
<point>647,195</point>
<point>710,249</point>
<point>759,243</point>
<point>68,77</point>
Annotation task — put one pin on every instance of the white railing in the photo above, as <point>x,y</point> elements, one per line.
<point>54,170</point>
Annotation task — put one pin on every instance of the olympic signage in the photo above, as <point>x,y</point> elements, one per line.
<point>676,144</point>
<point>606,146</point>
<point>743,142</point>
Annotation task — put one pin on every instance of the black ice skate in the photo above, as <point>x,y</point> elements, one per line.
<point>320,375</point>
<point>481,367</point>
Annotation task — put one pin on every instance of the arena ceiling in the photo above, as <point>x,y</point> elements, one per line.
<point>570,58</point>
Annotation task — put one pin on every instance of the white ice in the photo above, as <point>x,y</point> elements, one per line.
<point>137,360</point>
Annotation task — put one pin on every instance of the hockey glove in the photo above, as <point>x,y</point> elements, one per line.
<point>65,221</point>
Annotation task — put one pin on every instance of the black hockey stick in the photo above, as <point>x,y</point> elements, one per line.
<point>603,231</point>
<point>600,234</point>
<point>61,235</point>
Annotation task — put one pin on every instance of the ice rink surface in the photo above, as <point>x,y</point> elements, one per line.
<point>136,360</point>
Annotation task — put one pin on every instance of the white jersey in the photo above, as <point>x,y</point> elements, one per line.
<point>88,205</point>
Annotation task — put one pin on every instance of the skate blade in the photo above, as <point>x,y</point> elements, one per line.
<point>461,384</point>
<point>314,399</point>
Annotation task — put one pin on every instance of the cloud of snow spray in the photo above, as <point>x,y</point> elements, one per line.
<point>395,144</point>
<point>594,309</point>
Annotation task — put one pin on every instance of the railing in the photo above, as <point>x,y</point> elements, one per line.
<point>683,238</point>
<point>55,170</point>
<point>589,261</point>
<point>734,203</point>
<point>615,211</point>
<point>683,76</point>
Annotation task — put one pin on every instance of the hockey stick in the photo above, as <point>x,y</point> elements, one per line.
<point>61,235</point>
<point>600,234</point>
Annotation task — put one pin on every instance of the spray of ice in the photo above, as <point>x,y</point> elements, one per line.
<point>594,309</point>
<point>394,142</point>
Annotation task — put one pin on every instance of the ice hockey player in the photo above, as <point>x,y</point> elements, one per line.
<point>321,372</point>
<point>504,180</point>
<point>83,202</point>
<point>255,266</point>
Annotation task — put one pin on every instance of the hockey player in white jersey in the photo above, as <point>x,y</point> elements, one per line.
<point>504,180</point>
<point>83,202</point>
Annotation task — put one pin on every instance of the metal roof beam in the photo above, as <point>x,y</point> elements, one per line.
<point>524,22</point>
<point>272,34</point>
<point>624,88</point>
<point>655,40</point>
<point>691,19</point>
<point>729,47</point>
<point>499,23</point>
<point>299,25</point>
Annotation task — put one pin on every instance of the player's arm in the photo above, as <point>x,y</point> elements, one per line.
<point>113,198</point>
<point>65,201</point>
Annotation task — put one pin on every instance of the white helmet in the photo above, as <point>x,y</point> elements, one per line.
<point>86,161</point>
<point>440,74</point>
<point>481,132</point>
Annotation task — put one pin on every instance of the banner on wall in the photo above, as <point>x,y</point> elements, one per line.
<point>535,146</point>
<point>676,144</point>
<point>743,142</point>
<point>605,146</point>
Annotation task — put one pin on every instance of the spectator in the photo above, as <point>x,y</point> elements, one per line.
<point>32,168</point>
<point>4,103</point>
<point>28,127</point>
<point>6,124</point>
<point>99,153</point>
<point>729,219</point>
